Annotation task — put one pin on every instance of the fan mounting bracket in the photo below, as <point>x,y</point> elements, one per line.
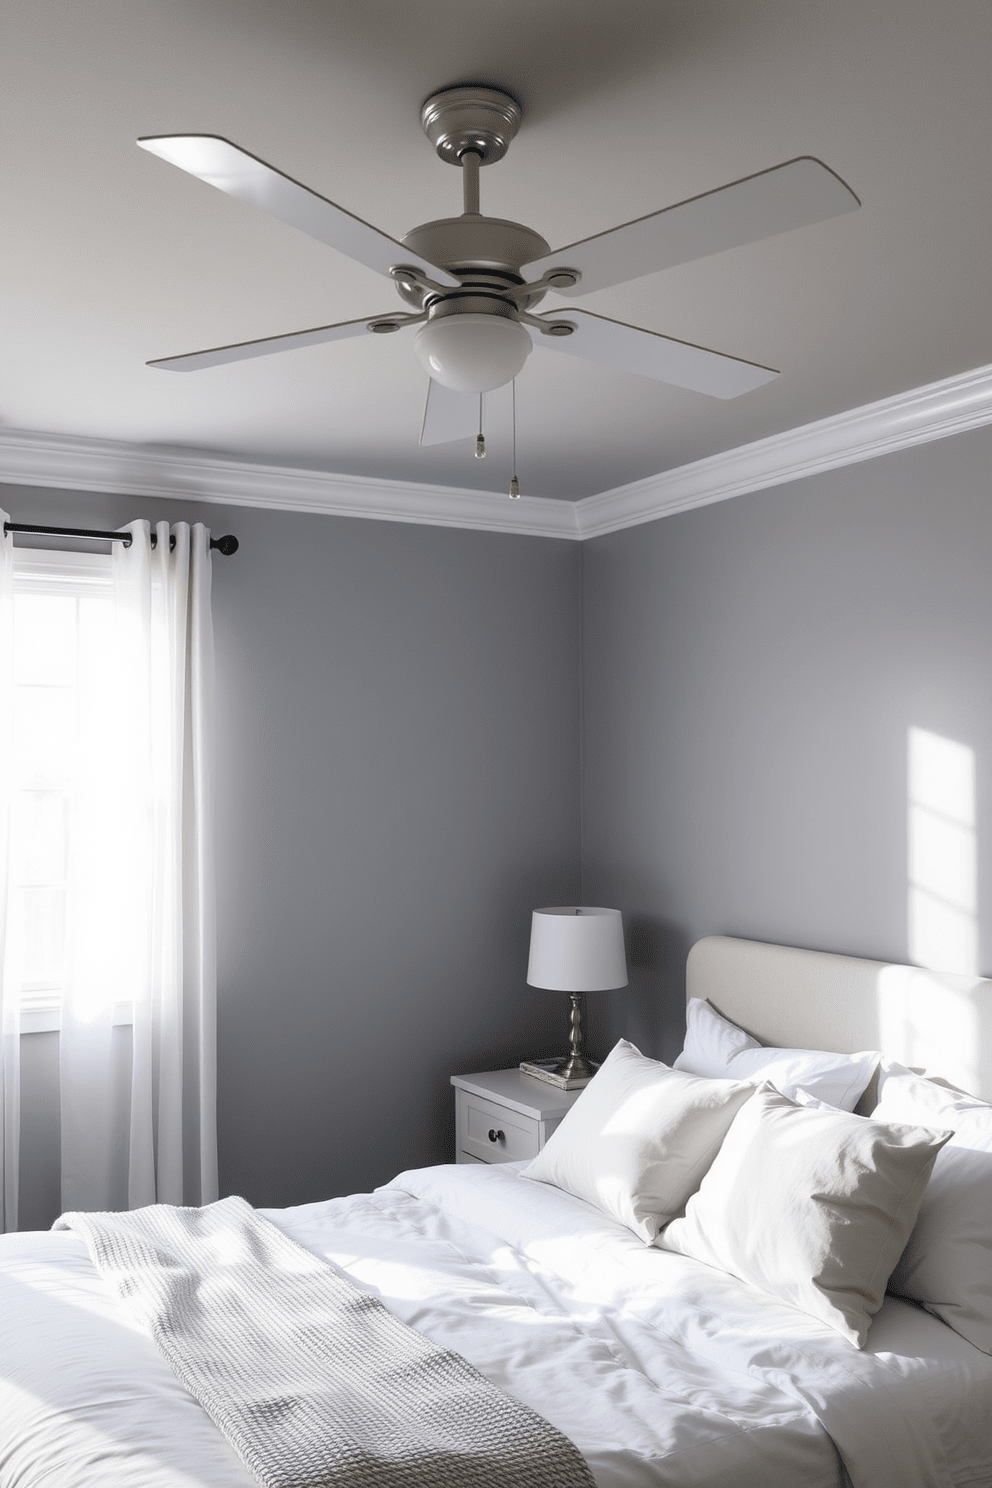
<point>546,324</point>
<point>471,118</point>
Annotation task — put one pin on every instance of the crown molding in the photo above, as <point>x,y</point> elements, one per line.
<point>79,464</point>
<point>914,417</point>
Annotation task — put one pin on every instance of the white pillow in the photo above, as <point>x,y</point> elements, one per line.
<point>803,1098</point>
<point>718,1048</point>
<point>947,1264</point>
<point>813,1207</point>
<point>639,1139</point>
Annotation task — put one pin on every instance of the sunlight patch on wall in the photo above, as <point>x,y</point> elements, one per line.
<point>930,1020</point>
<point>943,854</point>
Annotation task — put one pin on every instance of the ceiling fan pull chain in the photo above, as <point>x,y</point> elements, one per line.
<point>471,160</point>
<point>480,438</point>
<point>514,483</point>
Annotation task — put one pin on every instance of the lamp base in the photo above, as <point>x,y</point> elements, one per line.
<point>576,1067</point>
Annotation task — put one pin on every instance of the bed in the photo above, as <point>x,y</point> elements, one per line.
<point>663,1370</point>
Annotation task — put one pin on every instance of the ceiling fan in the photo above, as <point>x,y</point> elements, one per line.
<point>472,282</point>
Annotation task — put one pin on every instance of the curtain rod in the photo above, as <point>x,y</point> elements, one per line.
<point>226,545</point>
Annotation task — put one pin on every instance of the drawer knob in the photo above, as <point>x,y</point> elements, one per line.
<point>495,1135</point>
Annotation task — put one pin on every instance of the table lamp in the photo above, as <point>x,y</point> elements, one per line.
<point>576,950</point>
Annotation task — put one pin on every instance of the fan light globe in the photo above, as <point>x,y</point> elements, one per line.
<point>472,353</point>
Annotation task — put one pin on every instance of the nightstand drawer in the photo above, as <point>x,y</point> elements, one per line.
<point>493,1134</point>
<point>526,1111</point>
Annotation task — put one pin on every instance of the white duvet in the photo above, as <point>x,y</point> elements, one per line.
<point>663,1371</point>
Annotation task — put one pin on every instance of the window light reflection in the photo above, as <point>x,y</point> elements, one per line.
<point>930,1020</point>
<point>943,854</point>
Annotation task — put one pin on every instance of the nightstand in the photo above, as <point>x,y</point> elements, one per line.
<point>502,1115</point>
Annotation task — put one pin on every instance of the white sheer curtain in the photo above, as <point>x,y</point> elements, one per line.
<point>137,1052</point>
<point>163,596</point>
<point>10,1043</point>
<point>153,827</point>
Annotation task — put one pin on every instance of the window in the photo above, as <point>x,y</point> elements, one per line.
<point>62,718</point>
<point>106,915</point>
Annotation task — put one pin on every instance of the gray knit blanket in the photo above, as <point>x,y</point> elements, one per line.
<point>312,1381</point>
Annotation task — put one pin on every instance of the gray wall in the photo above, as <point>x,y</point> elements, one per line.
<point>399,784</point>
<point>751,671</point>
<point>398,750</point>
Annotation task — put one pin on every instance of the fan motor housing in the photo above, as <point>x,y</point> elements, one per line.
<point>491,244</point>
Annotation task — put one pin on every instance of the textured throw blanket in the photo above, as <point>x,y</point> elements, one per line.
<point>312,1381</point>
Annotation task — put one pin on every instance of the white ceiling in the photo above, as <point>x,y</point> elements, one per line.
<point>112,257</point>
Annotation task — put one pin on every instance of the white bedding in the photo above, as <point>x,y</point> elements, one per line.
<point>663,1371</point>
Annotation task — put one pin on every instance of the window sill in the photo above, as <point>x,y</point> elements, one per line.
<point>49,1019</point>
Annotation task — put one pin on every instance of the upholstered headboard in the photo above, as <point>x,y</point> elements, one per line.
<point>812,1000</point>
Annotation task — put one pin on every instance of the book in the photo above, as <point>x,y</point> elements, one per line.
<point>546,1070</point>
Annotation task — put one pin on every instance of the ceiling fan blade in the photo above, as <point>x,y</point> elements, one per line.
<point>795,194</point>
<point>629,348</point>
<point>449,415</point>
<point>241,351</point>
<point>221,164</point>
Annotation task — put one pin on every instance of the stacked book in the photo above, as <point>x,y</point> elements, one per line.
<point>547,1070</point>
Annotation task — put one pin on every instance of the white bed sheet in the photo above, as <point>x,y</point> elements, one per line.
<point>911,1409</point>
<point>662,1371</point>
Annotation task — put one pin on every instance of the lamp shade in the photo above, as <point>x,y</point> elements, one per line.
<point>575,949</point>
